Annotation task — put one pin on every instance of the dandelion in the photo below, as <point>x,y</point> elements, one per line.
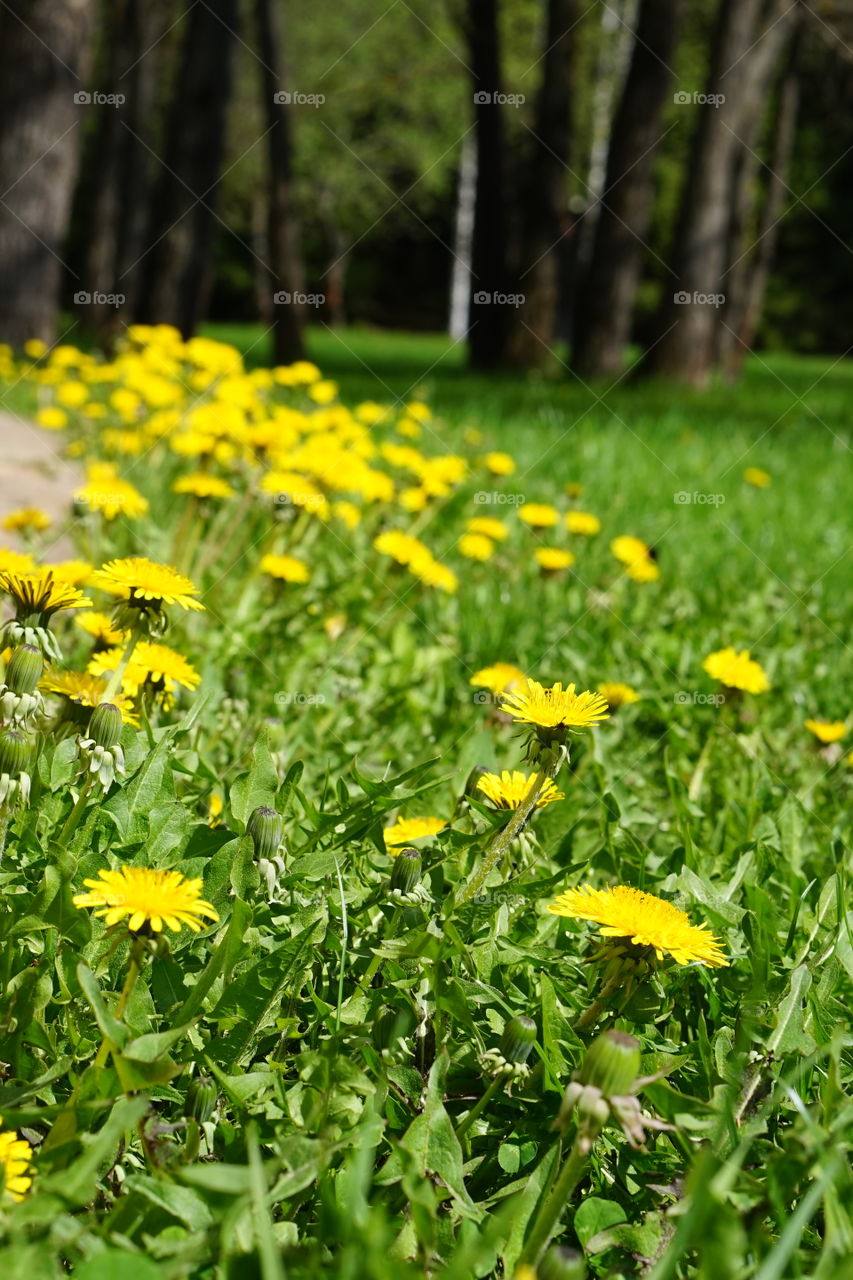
<point>827,731</point>
<point>15,1158</point>
<point>507,790</point>
<point>153,665</point>
<point>498,678</point>
<point>86,691</point>
<point>553,560</point>
<point>404,830</point>
<point>538,515</point>
<point>500,464</point>
<point>148,897</point>
<point>583,523</point>
<point>476,546</point>
<point>100,627</point>
<point>637,558</point>
<point>202,485</point>
<point>488,526</point>
<point>285,568</point>
<point>106,492</point>
<point>617,695</point>
<point>52,418</point>
<point>757,478</point>
<point>555,707</point>
<point>144,583</point>
<point>16,561</point>
<point>642,920</point>
<point>27,520</point>
<point>38,596</point>
<point>736,670</point>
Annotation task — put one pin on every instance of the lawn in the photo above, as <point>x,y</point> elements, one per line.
<point>321,1078</point>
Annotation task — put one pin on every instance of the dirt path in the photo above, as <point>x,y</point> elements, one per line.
<point>33,473</point>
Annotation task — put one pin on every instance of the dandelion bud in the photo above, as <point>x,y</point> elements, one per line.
<point>611,1064</point>
<point>561,1264</point>
<point>266,828</point>
<point>201,1099</point>
<point>406,872</point>
<point>105,725</point>
<point>24,670</point>
<point>14,752</point>
<point>518,1039</point>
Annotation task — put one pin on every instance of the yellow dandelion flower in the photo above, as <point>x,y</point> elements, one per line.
<point>413,499</point>
<point>35,348</point>
<point>643,571</point>
<point>552,559</point>
<point>100,627</point>
<point>142,581</point>
<point>150,897</point>
<point>15,1159</point>
<point>498,678</point>
<point>286,568</point>
<point>476,546</point>
<point>41,593</point>
<point>202,485</point>
<point>151,664</point>
<point>72,572</point>
<point>215,805</point>
<point>582,522</point>
<point>500,464</point>
<point>644,920</point>
<point>488,526</point>
<point>555,707</point>
<point>400,546</point>
<point>736,670</point>
<point>573,489</point>
<point>405,830</point>
<point>26,520</point>
<point>757,478</point>
<point>52,418</point>
<point>827,731</point>
<point>347,512</point>
<point>106,492</point>
<point>86,691</point>
<point>617,695</point>
<point>432,573</point>
<point>538,515</point>
<point>16,561</point>
<point>507,790</point>
<point>71,395</point>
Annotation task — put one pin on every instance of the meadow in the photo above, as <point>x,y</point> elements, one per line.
<point>318,619</point>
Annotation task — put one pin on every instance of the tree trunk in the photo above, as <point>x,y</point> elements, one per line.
<point>178,269</point>
<point>282,255</point>
<point>459,314</point>
<point>543,215</point>
<point>605,303</point>
<point>487,335</point>
<point>44,55</point>
<point>746,280</point>
<point>116,165</point>
<point>746,44</point>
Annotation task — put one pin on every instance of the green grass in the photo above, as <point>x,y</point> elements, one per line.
<point>343,1032</point>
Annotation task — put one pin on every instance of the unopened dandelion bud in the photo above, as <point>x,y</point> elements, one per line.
<point>518,1039</point>
<point>105,725</point>
<point>201,1099</point>
<point>406,872</point>
<point>611,1064</point>
<point>561,1264</point>
<point>25,669</point>
<point>266,828</point>
<point>15,753</point>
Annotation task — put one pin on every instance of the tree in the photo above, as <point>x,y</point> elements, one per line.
<point>178,267</point>
<point>487,335</point>
<point>748,39</point>
<point>546,194</point>
<point>44,54</point>
<point>607,290</point>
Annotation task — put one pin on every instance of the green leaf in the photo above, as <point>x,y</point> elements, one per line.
<point>77,1183</point>
<point>594,1215</point>
<point>222,961</point>
<point>108,1025</point>
<point>259,785</point>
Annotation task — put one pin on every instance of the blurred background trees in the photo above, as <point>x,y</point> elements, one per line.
<point>585,166</point>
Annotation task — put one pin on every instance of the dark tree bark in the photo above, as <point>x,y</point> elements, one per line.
<point>44,56</point>
<point>281,255</point>
<point>178,269</point>
<point>605,302</point>
<point>543,215</point>
<point>489,274</point>
<point>749,272</point>
<point>749,38</point>
<point>114,187</point>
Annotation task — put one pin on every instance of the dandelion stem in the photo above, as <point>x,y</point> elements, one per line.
<point>115,679</point>
<point>549,1215</point>
<point>370,972</point>
<point>504,839</point>
<point>73,819</point>
<point>136,955</point>
<point>479,1107</point>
